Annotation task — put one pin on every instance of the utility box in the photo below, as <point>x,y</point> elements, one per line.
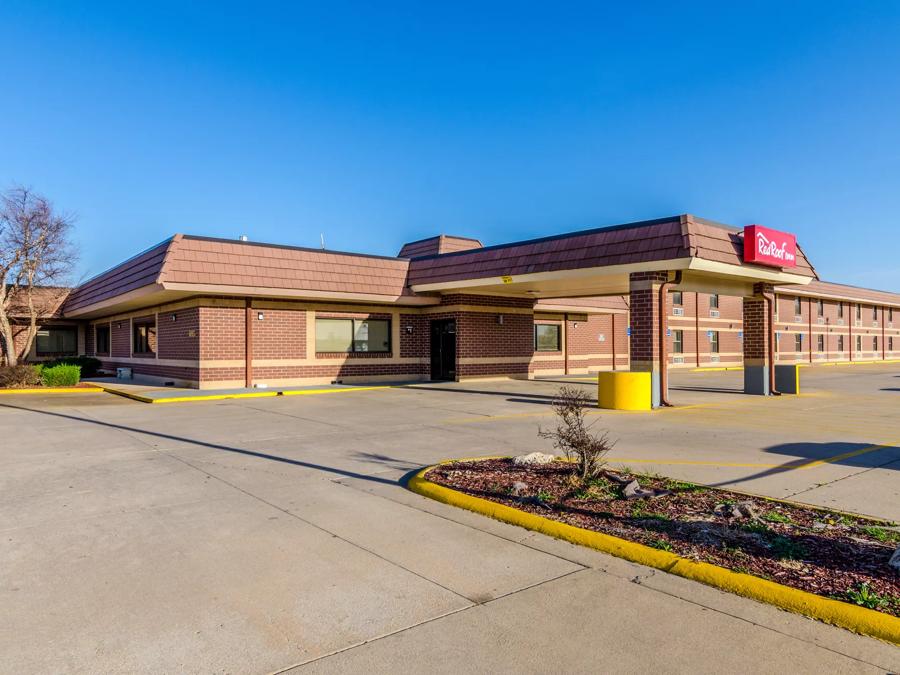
<point>124,374</point>
<point>787,379</point>
<point>618,390</point>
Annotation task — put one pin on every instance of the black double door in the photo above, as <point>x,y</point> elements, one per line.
<point>443,349</point>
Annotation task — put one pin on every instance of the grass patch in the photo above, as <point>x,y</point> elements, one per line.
<point>777,517</point>
<point>882,535</point>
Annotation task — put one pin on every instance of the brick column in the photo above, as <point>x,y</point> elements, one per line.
<point>756,341</point>
<point>644,312</point>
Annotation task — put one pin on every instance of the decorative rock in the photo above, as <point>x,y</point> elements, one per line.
<point>519,489</point>
<point>895,560</point>
<point>739,511</point>
<point>533,458</point>
<point>634,491</point>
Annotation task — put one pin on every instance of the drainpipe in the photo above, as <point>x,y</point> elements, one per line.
<point>697,326</point>
<point>883,341</point>
<point>850,334</point>
<point>809,307</point>
<point>612,318</point>
<point>248,343</point>
<point>663,324</point>
<point>565,345</point>
<point>770,306</point>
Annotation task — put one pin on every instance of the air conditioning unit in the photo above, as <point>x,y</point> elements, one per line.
<point>874,324</point>
<point>678,311</point>
<point>840,322</point>
<point>714,359</point>
<point>858,324</point>
<point>890,324</point>
<point>821,319</point>
<point>677,359</point>
<point>714,313</point>
<point>798,318</point>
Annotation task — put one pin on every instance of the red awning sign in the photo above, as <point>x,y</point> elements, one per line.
<point>764,246</point>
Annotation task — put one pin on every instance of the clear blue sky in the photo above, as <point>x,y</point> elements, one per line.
<point>383,124</point>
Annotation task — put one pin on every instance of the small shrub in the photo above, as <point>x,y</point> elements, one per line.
<point>776,517</point>
<point>61,376</point>
<point>786,549</point>
<point>573,436</point>
<point>866,597</point>
<point>661,544</point>
<point>19,376</point>
<point>88,364</point>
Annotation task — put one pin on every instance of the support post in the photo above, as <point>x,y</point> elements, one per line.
<point>758,341</point>
<point>248,343</point>
<point>645,313</point>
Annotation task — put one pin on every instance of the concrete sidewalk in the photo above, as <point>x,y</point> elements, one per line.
<point>258,535</point>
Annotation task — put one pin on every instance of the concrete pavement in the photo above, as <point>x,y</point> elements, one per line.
<point>263,535</point>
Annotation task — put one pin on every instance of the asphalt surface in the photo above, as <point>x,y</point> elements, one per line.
<point>260,535</point>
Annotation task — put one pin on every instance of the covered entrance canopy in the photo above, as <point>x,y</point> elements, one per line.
<point>644,261</point>
<point>600,262</point>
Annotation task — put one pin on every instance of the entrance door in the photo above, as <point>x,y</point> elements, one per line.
<point>443,349</point>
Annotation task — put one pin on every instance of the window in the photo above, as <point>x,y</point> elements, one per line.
<point>874,314</point>
<point>858,343</point>
<point>798,307</point>
<point>798,342</point>
<point>102,346</point>
<point>841,310</point>
<point>353,335</point>
<point>677,298</point>
<point>840,344</point>
<point>820,343</point>
<point>714,301</point>
<point>58,340</point>
<point>858,312</point>
<point>890,313</point>
<point>546,337</point>
<point>820,307</point>
<point>714,342</point>
<point>875,344</point>
<point>678,342</point>
<point>144,334</point>
<point>890,344</point>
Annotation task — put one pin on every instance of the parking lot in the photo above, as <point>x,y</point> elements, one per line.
<point>257,535</point>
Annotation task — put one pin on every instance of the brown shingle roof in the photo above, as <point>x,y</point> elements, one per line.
<point>843,292</point>
<point>442,243</point>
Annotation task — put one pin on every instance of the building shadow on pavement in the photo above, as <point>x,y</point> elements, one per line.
<point>213,446</point>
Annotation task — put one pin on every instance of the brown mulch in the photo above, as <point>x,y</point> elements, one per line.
<point>814,550</point>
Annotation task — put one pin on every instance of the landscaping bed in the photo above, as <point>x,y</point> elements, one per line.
<point>830,554</point>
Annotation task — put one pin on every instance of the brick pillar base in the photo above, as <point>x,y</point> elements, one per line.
<point>644,312</point>
<point>756,341</point>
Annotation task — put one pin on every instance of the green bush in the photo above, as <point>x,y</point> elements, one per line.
<point>19,376</point>
<point>89,365</point>
<point>63,375</point>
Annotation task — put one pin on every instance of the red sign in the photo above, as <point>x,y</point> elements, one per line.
<point>769,247</point>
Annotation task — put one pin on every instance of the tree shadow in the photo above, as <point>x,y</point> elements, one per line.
<point>860,455</point>
<point>214,446</point>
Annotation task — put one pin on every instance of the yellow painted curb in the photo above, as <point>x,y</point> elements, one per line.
<point>53,390</point>
<point>246,394</point>
<point>852,617</point>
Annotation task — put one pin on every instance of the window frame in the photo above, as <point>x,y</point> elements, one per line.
<point>353,341</point>
<point>678,298</point>
<point>798,343</point>
<point>820,307</point>
<point>678,341</point>
<point>841,309</point>
<point>714,343</point>
<point>840,344</point>
<point>859,344</point>
<point>108,329</point>
<point>558,330</point>
<point>73,330</point>
<point>714,301</point>
<point>798,306</point>
<point>150,326</point>
<point>874,312</point>
<point>820,343</point>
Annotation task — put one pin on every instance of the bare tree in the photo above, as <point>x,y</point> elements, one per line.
<point>573,435</point>
<point>36,257</point>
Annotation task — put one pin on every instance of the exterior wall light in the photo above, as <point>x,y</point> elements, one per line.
<point>500,319</point>
<point>260,316</point>
<point>409,329</point>
<point>174,317</point>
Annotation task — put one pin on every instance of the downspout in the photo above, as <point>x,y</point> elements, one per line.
<point>809,307</point>
<point>770,310</point>
<point>565,345</point>
<point>697,326</point>
<point>612,318</point>
<point>883,341</point>
<point>248,343</point>
<point>663,325</point>
<point>850,334</point>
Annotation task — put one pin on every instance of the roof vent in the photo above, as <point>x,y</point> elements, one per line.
<point>243,237</point>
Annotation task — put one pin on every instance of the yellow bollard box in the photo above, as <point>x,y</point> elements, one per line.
<point>624,390</point>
